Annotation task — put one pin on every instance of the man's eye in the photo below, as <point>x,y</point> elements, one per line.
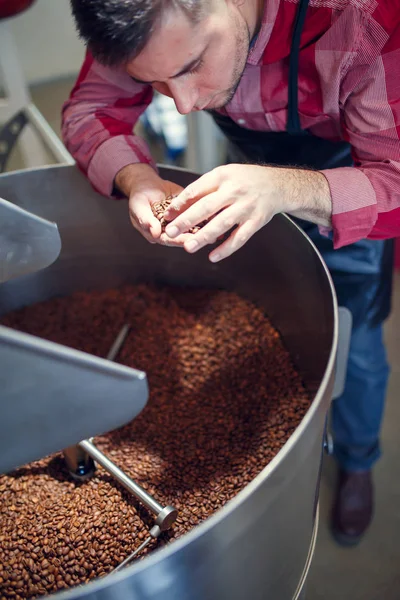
<point>195,69</point>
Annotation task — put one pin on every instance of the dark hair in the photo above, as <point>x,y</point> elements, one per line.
<point>116,31</point>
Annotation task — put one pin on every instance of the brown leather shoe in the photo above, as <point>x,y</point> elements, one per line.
<point>353,508</point>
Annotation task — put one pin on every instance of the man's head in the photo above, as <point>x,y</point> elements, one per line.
<point>192,50</point>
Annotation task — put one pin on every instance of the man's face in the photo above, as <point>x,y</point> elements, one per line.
<point>198,65</point>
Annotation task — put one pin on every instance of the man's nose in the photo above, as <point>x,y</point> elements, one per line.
<point>184,95</point>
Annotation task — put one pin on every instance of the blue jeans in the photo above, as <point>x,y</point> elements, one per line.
<point>357,414</point>
<point>361,273</point>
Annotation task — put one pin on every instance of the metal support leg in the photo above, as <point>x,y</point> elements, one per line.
<point>34,135</point>
<point>11,132</point>
<point>9,135</point>
<point>17,96</point>
<point>48,136</point>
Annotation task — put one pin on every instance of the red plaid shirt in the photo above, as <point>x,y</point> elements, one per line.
<point>349,89</point>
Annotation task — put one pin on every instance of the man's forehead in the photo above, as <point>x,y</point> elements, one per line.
<point>175,43</point>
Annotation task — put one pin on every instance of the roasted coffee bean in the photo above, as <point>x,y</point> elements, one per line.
<point>224,398</point>
<point>159,209</point>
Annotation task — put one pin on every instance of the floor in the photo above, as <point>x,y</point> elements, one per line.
<point>372,570</point>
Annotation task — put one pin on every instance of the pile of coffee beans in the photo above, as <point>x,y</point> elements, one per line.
<point>224,398</point>
<point>159,209</point>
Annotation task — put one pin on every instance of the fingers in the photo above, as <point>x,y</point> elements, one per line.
<point>216,228</point>
<point>202,210</point>
<point>205,185</point>
<point>162,239</point>
<point>142,216</point>
<point>236,240</point>
<point>177,242</point>
<point>148,225</point>
<point>146,234</point>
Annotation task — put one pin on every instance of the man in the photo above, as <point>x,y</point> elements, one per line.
<point>313,86</point>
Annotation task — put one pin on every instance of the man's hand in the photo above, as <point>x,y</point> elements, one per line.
<point>248,197</point>
<point>141,184</point>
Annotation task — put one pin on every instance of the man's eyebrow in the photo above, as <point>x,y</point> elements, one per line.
<point>188,67</point>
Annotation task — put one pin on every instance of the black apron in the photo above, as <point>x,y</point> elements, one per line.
<point>362,272</point>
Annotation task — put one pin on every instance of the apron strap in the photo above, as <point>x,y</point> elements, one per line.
<point>293,121</point>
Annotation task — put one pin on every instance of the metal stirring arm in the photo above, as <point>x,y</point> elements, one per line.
<point>131,556</point>
<point>165,515</point>
<point>81,458</point>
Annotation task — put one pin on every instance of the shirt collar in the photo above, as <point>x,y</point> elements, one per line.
<point>259,42</point>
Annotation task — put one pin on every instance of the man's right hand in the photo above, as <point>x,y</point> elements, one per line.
<point>141,184</point>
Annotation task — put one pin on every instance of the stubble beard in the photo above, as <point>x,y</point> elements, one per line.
<point>243,50</point>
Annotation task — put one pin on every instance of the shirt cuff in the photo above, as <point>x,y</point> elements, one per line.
<point>113,155</point>
<point>354,207</point>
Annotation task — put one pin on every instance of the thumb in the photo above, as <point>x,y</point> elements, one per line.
<point>141,213</point>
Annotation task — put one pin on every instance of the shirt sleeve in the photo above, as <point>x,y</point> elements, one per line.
<point>366,198</point>
<point>98,121</point>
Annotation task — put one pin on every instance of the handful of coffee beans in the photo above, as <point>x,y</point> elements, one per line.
<point>159,209</point>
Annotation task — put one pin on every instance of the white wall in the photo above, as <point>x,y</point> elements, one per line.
<point>47,42</point>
